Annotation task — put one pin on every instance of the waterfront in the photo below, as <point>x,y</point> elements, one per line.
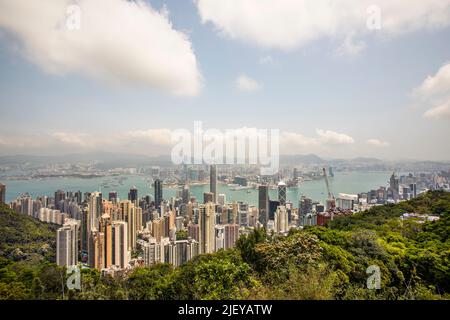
<point>343,182</point>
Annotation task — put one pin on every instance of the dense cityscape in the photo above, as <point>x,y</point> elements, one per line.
<point>112,235</point>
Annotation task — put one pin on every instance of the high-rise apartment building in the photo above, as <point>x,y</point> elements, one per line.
<point>207,218</point>
<point>231,232</point>
<point>67,244</point>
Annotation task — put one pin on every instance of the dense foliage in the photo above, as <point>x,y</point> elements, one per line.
<point>315,263</point>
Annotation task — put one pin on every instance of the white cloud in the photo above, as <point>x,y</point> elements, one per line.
<point>245,83</point>
<point>119,41</point>
<point>434,94</point>
<point>331,137</point>
<point>350,47</point>
<point>154,136</point>
<point>290,24</point>
<point>266,60</point>
<point>378,143</point>
<point>294,139</point>
<point>439,112</point>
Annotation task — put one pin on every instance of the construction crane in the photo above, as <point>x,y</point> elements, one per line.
<point>331,202</point>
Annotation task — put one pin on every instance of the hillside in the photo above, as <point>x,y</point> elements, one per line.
<point>25,238</point>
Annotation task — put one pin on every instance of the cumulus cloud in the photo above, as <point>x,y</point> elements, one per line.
<point>378,143</point>
<point>290,24</point>
<point>434,94</point>
<point>331,137</point>
<point>245,83</point>
<point>440,112</point>
<point>117,41</point>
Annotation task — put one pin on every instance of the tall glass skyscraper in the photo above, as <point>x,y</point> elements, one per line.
<point>213,181</point>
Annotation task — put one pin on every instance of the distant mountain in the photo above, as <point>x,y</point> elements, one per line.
<point>301,159</point>
<point>106,159</point>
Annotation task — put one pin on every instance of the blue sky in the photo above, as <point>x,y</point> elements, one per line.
<point>367,96</point>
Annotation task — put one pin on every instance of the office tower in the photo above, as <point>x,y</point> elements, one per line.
<point>231,235</point>
<point>193,231</point>
<point>96,253</point>
<point>273,205</point>
<point>158,193</point>
<point>213,181</point>
<point>133,196</point>
<point>281,220</point>
<point>305,205</point>
<point>282,193</point>
<point>222,199</point>
<point>2,193</point>
<point>207,217</point>
<point>263,201</point>
<point>185,194</point>
<point>67,244</point>
<point>413,188</point>
<point>60,196</point>
<point>208,197</point>
<point>95,207</point>
<point>78,197</point>
<point>113,197</point>
<point>394,185</point>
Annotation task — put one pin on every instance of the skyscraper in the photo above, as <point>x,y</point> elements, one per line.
<point>282,193</point>
<point>60,195</point>
<point>394,186</point>
<point>95,207</point>
<point>96,252</point>
<point>185,194</point>
<point>207,219</point>
<point>263,200</point>
<point>133,196</point>
<point>158,193</point>
<point>213,181</point>
<point>2,193</point>
<point>112,196</point>
<point>67,244</point>
<point>231,235</point>
<point>119,244</point>
<point>208,197</point>
<point>281,220</point>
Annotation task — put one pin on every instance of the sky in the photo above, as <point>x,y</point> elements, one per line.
<point>341,79</point>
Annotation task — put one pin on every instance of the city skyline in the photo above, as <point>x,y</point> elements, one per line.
<point>333,87</point>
